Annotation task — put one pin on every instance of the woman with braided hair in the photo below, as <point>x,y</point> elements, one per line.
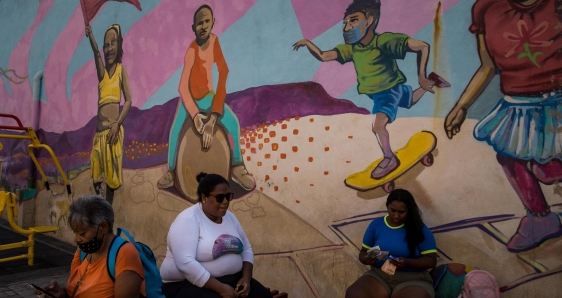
<point>522,41</point>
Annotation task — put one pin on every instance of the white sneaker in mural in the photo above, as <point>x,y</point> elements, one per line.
<point>166,181</point>
<point>241,176</point>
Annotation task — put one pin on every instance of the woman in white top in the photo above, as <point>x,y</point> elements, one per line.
<point>208,252</point>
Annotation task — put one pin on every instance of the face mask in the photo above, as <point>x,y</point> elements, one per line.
<point>92,246</point>
<point>354,35</point>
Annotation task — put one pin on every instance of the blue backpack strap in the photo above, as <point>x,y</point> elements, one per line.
<point>114,248</point>
<point>82,256</point>
<point>129,236</point>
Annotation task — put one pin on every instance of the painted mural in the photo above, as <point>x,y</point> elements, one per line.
<point>311,131</point>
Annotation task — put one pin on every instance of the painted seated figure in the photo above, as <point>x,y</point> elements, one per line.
<point>201,103</point>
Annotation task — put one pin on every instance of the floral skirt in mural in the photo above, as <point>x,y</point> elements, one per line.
<point>526,127</point>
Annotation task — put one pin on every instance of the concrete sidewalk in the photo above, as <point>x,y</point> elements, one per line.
<point>52,262</point>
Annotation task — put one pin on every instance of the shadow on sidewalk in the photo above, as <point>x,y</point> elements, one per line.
<point>52,257</point>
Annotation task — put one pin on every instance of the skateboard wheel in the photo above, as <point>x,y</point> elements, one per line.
<point>427,160</point>
<point>389,186</point>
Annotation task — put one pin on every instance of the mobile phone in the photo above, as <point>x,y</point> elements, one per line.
<point>40,289</point>
<point>239,288</point>
<point>393,258</point>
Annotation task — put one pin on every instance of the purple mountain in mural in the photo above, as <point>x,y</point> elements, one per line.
<point>258,105</point>
<point>147,131</point>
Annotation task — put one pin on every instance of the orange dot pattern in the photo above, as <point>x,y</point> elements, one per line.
<point>264,134</point>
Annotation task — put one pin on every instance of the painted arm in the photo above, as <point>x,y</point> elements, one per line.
<point>126,89</point>
<point>222,67</point>
<point>422,50</point>
<point>97,56</point>
<point>476,86</point>
<point>322,56</point>
<point>185,93</point>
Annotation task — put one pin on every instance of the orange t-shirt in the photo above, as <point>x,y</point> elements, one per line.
<point>96,282</point>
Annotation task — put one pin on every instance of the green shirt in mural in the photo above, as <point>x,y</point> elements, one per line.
<point>375,63</point>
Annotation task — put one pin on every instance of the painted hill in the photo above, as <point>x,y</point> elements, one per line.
<point>147,131</point>
<point>262,104</point>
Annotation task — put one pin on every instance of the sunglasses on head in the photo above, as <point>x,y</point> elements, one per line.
<point>220,197</point>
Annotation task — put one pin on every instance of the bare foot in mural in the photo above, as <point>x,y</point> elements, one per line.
<point>166,181</point>
<point>533,231</point>
<point>241,176</point>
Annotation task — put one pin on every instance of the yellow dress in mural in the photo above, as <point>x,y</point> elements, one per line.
<point>106,159</point>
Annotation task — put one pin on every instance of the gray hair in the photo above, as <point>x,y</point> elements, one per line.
<point>90,211</point>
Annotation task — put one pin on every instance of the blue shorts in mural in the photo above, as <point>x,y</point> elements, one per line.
<point>389,100</point>
<point>525,127</point>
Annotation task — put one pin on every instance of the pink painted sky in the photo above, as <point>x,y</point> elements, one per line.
<point>154,49</point>
<point>22,93</point>
<point>155,46</point>
<point>317,16</point>
<point>400,17</point>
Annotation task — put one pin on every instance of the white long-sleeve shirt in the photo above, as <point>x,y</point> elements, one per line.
<point>199,248</point>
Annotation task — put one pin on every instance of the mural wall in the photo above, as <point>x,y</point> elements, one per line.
<point>457,101</point>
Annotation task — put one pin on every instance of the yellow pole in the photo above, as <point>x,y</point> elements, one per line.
<point>30,247</point>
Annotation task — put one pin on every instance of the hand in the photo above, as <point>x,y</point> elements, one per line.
<point>199,121</point>
<point>454,121</point>
<point>209,132</point>
<point>426,84</point>
<point>299,44</point>
<point>55,289</point>
<point>246,290</point>
<point>227,292</point>
<point>113,134</point>
<point>88,31</point>
<point>368,260</point>
<point>401,263</point>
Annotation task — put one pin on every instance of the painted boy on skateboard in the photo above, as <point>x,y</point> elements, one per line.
<point>196,94</point>
<point>374,56</point>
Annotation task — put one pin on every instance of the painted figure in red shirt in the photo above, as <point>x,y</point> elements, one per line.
<point>199,102</point>
<point>522,41</point>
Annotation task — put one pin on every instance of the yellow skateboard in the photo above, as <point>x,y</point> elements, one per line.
<point>418,148</point>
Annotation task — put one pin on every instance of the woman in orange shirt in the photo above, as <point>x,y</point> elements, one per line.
<point>91,219</point>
